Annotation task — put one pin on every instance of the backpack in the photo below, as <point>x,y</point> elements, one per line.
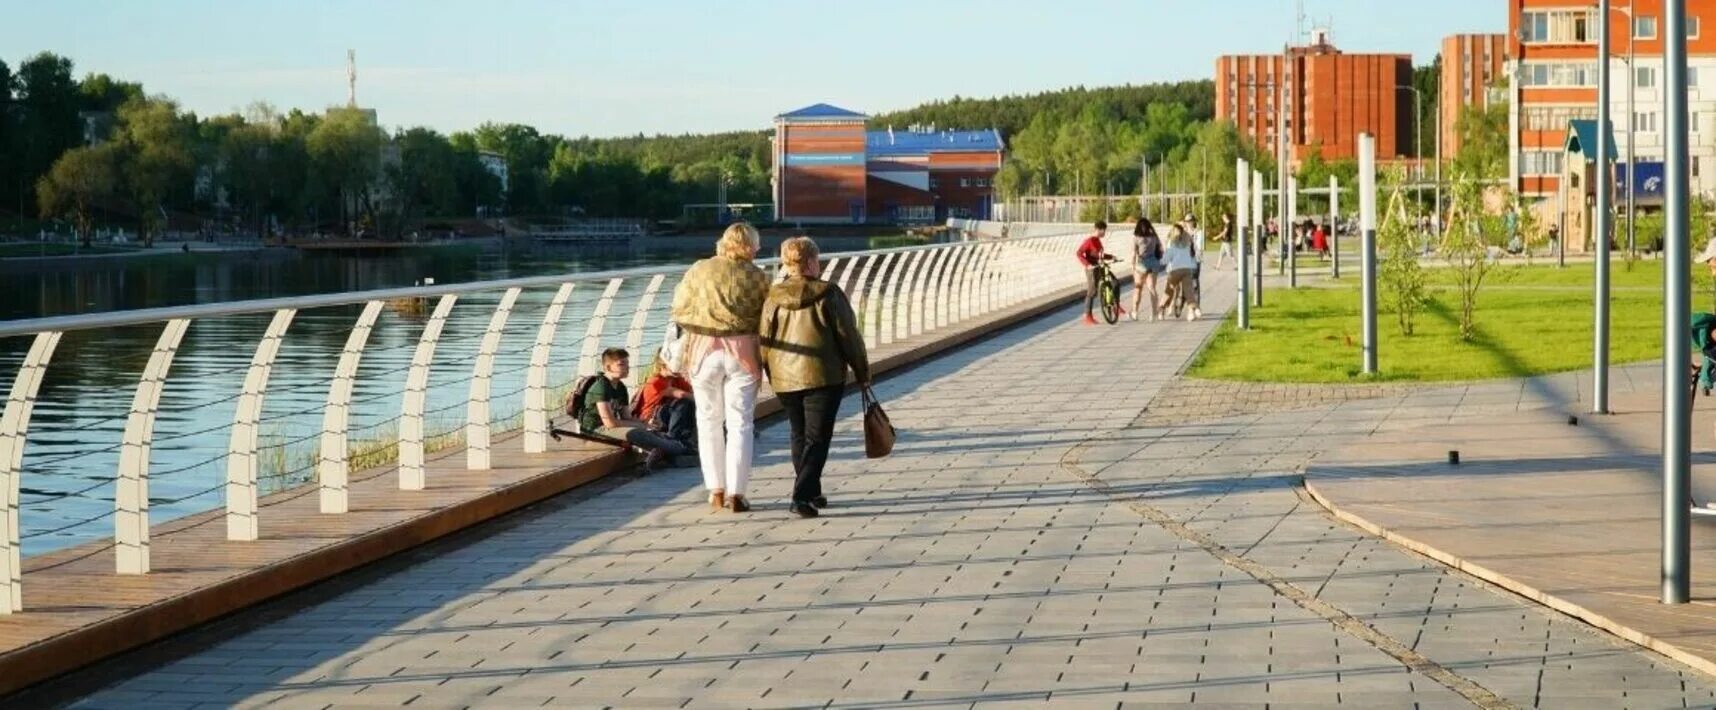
<point>575,401</point>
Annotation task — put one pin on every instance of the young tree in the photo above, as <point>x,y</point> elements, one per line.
<point>77,181</point>
<point>1399,275</point>
<point>345,153</point>
<point>1483,150</point>
<point>1466,247</point>
<point>155,158</point>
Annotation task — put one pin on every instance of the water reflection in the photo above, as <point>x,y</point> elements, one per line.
<point>73,451</point>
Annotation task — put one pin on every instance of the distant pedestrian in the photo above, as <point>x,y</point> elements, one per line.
<point>1320,240</point>
<point>810,338</point>
<point>1146,266</point>
<point>1090,255</point>
<point>719,305</point>
<point>1181,268</point>
<point>1225,239</point>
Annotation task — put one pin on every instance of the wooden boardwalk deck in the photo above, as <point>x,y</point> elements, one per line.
<point>77,611</point>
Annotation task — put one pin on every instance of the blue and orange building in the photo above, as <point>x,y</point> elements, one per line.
<point>829,168</point>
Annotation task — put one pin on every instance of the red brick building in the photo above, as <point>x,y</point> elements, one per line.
<point>1330,98</point>
<point>829,169</point>
<point>1554,81</point>
<point>1472,66</point>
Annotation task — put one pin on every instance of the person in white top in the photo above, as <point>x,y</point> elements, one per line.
<point>1182,267</point>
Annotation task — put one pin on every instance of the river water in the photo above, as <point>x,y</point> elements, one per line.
<point>71,459</point>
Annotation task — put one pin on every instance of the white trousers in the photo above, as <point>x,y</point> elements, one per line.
<point>726,398</point>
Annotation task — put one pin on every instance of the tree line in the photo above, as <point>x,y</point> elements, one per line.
<point>100,149</point>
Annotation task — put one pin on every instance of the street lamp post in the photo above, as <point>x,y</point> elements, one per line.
<point>1600,220</point>
<point>1676,314</point>
<point>1418,141</point>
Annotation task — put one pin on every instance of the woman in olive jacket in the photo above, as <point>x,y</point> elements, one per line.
<point>810,338</point>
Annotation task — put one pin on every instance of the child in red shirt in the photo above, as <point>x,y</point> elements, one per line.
<point>665,404</point>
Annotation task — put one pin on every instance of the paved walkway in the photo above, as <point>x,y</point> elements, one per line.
<point>1569,515</point>
<point>1043,535</point>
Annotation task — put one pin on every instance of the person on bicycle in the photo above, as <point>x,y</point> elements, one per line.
<point>1146,266</point>
<point>1182,265</point>
<point>1091,254</point>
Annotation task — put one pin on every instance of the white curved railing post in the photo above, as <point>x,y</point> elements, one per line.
<point>536,379</point>
<point>974,290</point>
<point>891,296</point>
<point>956,285</point>
<point>14,431</point>
<point>922,320</point>
<point>412,436</point>
<point>901,327</point>
<point>333,466</point>
<point>830,270</point>
<point>640,322</point>
<point>858,291</point>
<point>477,414</point>
<point>131,492</point>
<point>589,361</point>
<point>844,278</point>
<point>944,286</point>
<point>871,311</point>
<point>241,460</point>
<point>932,287</point>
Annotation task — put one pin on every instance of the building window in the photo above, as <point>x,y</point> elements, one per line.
<point>1644,121</point>
<point>1692,27</point>
<point>1644,27</point>
<point>1540,162</point>
<point>1559,74</point>
<point>1692,77</point>
<point>935,182</point>
<point>1644,77</point>
<point>1558,26</point>
<point>965,182</point>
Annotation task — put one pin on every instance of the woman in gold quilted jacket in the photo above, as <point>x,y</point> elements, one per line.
<point>810,340</point>
<point>718,305</point>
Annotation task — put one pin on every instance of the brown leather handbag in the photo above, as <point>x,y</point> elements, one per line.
<point>878,431</point>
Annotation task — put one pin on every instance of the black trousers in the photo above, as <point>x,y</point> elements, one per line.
<point>1089,288</point>
<point>812,414</point>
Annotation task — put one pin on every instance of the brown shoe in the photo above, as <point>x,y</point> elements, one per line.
<point>717,500</point>
<point>738,503</point>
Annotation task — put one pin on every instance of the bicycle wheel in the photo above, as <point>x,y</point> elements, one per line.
<point>1110,300</point>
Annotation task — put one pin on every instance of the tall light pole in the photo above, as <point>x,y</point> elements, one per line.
<point>1242,222</point>
<point>1281,147</point>
<point>1600,220</point>
<point>1632,88</point>
<point>1676,317</point>
<point>1367,250</point>
<point>1418,128</point>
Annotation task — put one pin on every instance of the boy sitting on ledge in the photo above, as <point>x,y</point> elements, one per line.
<point>605,412</point>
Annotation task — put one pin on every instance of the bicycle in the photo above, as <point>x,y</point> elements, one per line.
<point>1108,290</point>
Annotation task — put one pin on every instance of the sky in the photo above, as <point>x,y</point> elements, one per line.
<point>620,67</point>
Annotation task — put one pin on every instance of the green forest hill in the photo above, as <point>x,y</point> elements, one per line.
<point>298,172</point>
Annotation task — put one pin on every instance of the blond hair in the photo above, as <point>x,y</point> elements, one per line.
<point>797,254</point>
<point>740,241</point>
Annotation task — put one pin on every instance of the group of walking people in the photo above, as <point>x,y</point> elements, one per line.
<point>734,329</point>
<point>1165,269</point>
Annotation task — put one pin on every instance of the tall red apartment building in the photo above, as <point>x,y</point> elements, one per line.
<point>1473,73</point>
<point>1554,81</point>
<point>1330,97</point>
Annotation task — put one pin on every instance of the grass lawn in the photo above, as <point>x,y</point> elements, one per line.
<point>1531,321</point>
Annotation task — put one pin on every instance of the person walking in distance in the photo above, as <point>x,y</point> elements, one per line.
<point>1090,254</point>
<point>719,305</point>
<point>1225,239</point>
<point>810,339</point>
<point>1146,265</point>
<point>1182,266</point>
